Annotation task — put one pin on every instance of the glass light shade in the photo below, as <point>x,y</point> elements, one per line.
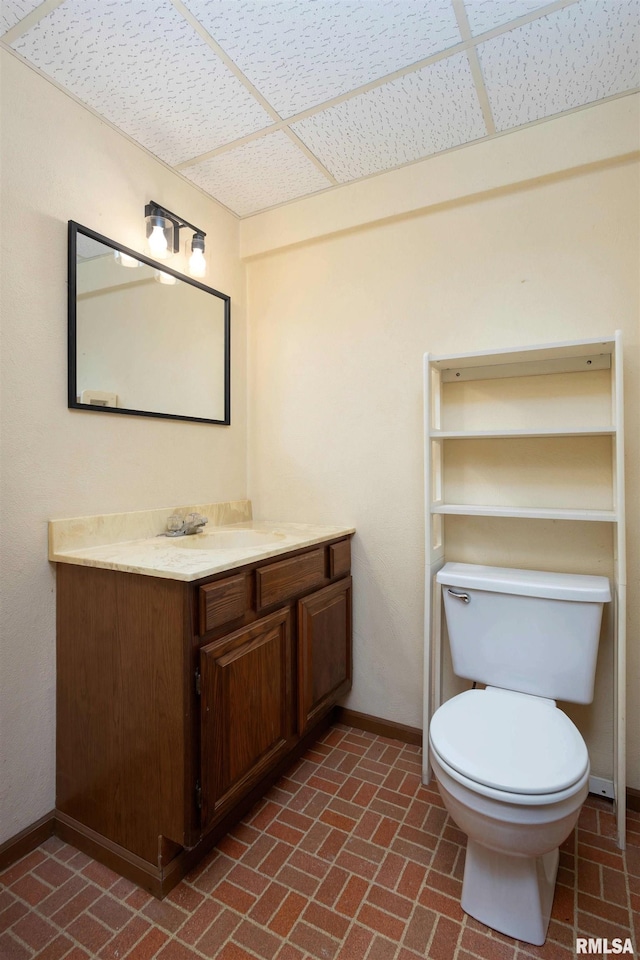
<point>125,260</point>
<point>159,236</point>
<point>197,262</point>
<point>163,277</point>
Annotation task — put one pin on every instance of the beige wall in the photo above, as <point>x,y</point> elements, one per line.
<point>338,328</point>
<point>60,163</point>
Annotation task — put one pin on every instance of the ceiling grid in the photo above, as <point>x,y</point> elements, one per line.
<point>474,63</point>
<point>261,102</point>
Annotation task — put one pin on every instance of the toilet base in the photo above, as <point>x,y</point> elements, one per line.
<point>512,895</point>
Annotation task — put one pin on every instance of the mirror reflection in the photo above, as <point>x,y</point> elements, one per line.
<point>143,339</point>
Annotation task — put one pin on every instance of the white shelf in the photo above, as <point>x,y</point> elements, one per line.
<point>544,359</point>
<point>576,393</point>
<point>520,432</point>
<point>533,513</point>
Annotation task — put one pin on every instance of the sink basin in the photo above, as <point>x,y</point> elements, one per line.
<point>227,539</point>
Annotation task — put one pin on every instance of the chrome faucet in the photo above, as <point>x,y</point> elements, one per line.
<point>192,523</point>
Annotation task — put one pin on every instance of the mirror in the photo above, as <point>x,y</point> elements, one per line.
<point>143,338</point>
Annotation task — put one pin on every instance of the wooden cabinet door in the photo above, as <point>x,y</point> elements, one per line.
<point>324,650</point>
<point>246,709</point>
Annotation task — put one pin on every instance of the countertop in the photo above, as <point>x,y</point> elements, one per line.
<point>192,557</point>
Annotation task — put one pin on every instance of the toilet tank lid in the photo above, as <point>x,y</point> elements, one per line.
<point>526,583</point>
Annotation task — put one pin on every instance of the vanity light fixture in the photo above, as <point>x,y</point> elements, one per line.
<point>163,237</point>
<point>125,260</point>
<point>163,277</point>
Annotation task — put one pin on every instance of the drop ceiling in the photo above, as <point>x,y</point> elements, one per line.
<point>261,102</point>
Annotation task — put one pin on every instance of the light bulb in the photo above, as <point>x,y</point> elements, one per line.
<point>159,232</point>
<point>125,260</point>
<point>158,242</point>
<point>163,277</point>
<point>197,262</point>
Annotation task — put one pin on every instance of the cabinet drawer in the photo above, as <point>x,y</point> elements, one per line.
<point>279,582</point>
<point>222,602</point>
<point>339,558</point>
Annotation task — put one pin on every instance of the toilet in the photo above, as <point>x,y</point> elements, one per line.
<point>512,769</point>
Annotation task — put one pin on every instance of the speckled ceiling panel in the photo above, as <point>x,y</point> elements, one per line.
<point>300,54</point>
<point>87,248</point>
<point>13,11</point>
<point>484,15</point>
<point>144,68</point>
<point>259,174</point>
<point>417,115</point>
<point>569,58</point>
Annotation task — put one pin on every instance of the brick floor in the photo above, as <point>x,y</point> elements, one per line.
<point>348,857</point>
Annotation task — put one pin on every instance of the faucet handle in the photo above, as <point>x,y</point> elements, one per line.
<point>174,523</point>
<point>196,518</point>
<point>193,521</point>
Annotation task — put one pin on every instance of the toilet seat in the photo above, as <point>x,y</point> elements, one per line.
<point>519,799</point>
<point>510,745</point>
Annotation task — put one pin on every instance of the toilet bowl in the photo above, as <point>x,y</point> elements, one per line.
<point>524,805</point>
<point>512,768</point>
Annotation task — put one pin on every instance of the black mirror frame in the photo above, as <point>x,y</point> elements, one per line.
<point>73,402</point>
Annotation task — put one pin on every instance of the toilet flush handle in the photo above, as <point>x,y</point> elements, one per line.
<point>460,596</point>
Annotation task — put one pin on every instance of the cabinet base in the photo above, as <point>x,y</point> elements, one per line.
<point>159,880</point>
<point>112,855</point>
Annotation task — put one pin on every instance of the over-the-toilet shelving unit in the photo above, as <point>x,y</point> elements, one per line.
<point>534,433</point>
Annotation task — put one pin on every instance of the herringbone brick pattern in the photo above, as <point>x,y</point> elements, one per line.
<point>349,856</point>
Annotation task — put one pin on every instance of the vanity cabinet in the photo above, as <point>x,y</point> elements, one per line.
<point>179,703</point>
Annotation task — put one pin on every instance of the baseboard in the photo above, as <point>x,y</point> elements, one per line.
<point>27,840</point>
<point>142,873</point>
<point>400,731</point>
<point>110,854</point>
<point>383,728</point>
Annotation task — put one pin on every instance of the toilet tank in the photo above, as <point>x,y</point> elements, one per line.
<point>524,630</point>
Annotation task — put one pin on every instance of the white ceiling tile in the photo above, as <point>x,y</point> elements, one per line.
<point>143,67</point>
<point>88,249</point>
<point>579,54</point>
<point>13,11</point>
<point>417,115</point>
<point>484,15</point>
<point>300,54</point>
<point>259,174</point>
